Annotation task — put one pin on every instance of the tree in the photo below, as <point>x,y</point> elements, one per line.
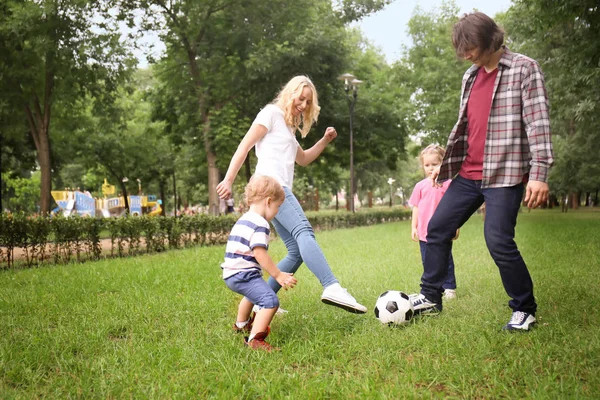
<point>230,49</point>
<point>53,52</point>
<point>433,73</point>
<point>563,38</point>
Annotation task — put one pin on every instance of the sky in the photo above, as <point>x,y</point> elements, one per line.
<point>387,28</point>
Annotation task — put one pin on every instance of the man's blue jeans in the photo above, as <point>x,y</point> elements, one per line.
<point>296,232</point>
<point>450,282</point>
<point>502,205</point>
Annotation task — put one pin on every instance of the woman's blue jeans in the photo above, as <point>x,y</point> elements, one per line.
<point>461,200</point>
<point>296,232</point>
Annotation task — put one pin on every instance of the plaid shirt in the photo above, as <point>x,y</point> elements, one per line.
<point>518,135</point>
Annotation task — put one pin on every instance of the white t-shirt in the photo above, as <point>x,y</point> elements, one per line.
<point>249,232</point>
<point>276,151</point>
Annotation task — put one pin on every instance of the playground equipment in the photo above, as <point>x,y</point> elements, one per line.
<point>84,204</point>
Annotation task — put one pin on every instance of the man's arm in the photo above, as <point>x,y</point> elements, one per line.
<point>536,119</point>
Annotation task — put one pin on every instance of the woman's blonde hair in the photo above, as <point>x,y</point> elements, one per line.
<point>260,187</point>
<point>433,149</point>
<point>285,100</point>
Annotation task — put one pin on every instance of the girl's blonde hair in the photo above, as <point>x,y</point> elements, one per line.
<point>285,100</point>
<point>260,187</point>
<point>433,149</point>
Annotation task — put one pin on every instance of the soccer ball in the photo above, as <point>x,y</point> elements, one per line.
<point>394,308</point>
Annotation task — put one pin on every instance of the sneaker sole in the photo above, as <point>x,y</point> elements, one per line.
<point>507,328</point>
<point>343,306</point>
<point>428,311</point>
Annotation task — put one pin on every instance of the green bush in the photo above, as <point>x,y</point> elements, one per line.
<point>62,240</point>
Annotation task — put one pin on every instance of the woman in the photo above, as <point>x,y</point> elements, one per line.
<point>296,107</point>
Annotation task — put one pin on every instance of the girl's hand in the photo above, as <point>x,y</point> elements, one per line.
<point>457,234</point>
<point>224,189</point>
<point>330,134</point>
<point>286,280</point>
<point>415,235</point>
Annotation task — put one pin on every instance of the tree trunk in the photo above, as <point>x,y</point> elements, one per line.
<point>163,198</point>
<point>125,196</point>
<point>174,195</point>
<point>248,168</point>
<point>213,171</point>
<point>39,127</point>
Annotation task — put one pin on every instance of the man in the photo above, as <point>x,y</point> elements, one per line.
<point>499,147</point>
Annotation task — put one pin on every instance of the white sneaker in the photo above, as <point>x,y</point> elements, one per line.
<point>520,321</point>
<point>450,294</point>
<point>280,311</point>
<point>422,305</point>
<point>336,295</point>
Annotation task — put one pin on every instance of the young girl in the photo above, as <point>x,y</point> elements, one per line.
<point>424,200</point>
<point>246,256</point>
<point>295,108</point>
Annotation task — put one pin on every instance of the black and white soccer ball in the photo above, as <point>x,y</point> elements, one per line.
<point>394,308</point>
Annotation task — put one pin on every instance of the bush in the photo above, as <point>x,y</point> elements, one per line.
<point>62,240</point>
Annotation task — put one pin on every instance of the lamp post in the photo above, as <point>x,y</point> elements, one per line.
<point>139,186</point>
<point>351,84</point>
<point>390,182</point>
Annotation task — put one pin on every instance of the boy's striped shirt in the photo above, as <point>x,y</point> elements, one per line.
<point>249,232</point>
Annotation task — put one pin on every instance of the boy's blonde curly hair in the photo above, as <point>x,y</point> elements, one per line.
<point>260,187</point>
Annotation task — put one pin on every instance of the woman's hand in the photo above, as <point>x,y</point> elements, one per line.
<point>330,134</point>
<point>224,189</point>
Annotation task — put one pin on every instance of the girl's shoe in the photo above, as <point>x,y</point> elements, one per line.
<point>450,294</point>
<point>258,342</point>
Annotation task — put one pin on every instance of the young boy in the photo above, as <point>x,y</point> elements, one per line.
<point>246,256</point>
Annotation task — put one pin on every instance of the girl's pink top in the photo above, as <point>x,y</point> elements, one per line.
<point>426,198</point>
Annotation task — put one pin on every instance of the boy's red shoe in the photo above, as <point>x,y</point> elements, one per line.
<point>247,328</point>
<point>258,342</point>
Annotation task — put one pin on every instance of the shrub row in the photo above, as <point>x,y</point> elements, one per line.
<point>62,240</point>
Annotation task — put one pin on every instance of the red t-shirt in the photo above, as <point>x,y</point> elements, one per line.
<point>478,112</point>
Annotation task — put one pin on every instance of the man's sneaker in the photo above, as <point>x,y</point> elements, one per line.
<point>246,328</point>
<point>422,305</point>
<point>520,321</point>
<point>258,342</point>
<point>280,311</point>
<point>336,295</point>
<point>449,294</point>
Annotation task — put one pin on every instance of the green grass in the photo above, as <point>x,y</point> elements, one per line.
<point>160,326</point>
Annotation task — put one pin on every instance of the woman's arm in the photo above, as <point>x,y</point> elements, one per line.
<point>305,157</point>
<point>254,134</point>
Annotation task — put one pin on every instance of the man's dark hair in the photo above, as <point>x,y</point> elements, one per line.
<point>476,31</point>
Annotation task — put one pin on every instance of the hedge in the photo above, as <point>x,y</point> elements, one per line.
<point>76,239</point>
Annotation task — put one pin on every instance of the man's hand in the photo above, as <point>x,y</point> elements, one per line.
<point>536,193</point>
<point>434,175</point>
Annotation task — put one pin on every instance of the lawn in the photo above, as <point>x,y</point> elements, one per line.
<point>159,326</point>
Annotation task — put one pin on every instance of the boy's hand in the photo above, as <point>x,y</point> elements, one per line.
<point>415,235</point>
<point>286,280</point>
